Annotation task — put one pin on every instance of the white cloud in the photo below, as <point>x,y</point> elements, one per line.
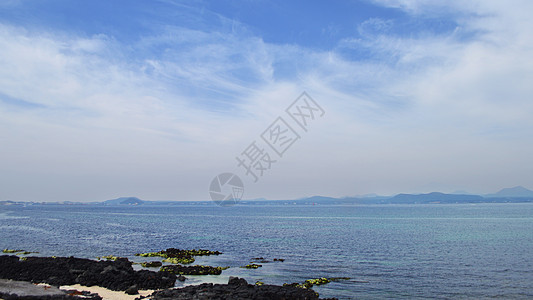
<point>374,26</point>
<point>444,108</point>
<point>160,121</point>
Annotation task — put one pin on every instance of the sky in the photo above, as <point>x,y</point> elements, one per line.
<point>154,99</point>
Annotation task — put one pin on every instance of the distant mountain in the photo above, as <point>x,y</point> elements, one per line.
<point>436,197</point>
<point>514,192</point>
<point>318,199</point>
<point>9,202</point>
<point>508,195</point>
<point>124,201</point>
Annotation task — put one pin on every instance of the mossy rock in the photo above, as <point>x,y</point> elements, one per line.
<point>309,283</point>
<point>317,281</point>
<point>179,256</point>
<point>252,266</point>
<point>12,251</point>
<point>179,260</point>
<point>193,270</point>
<point>202,252</point>
<point>109,257</point>
<point>295,284</point>
<point>151,264</point>
<point>149,254</point>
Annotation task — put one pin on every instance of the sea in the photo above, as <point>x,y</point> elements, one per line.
<point>439,251</point>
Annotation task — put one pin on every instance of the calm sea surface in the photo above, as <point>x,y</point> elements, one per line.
<point>389,251</point>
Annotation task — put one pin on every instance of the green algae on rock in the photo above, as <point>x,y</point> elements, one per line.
<point>309,283</point>
<point>151,264</point>
<point>193,270</point>
<point>252,266</point>
<point>179,256</point>
<point>110,257</point>
<point>11,251</point>
<point>17,252</point>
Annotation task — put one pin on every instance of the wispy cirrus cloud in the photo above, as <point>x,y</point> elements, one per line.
<point>409,108</point>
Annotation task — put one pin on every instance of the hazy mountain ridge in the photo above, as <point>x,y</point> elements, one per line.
<point>124,201</point>
<point>436,197</point>
<point>516,194</point>
<point>517,191</point>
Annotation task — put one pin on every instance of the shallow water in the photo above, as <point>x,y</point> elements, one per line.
<point>396,251</point>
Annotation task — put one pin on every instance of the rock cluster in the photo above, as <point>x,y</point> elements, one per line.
<point>151,264</point>
<point>115,275</point>
<point>309,283</point>
<point>252,266</point>
<point>179,256</point>
<point>17,252</point>
<point>193,270</point>
<point>236,289</point>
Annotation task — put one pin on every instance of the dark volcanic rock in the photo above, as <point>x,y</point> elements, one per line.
<point>132,290</point>
<point>236,289</point>
<point>22,290</point>
<point>193,270</point>
<point>115,275</point>
<point>152,264</point>
<point>237,281</point>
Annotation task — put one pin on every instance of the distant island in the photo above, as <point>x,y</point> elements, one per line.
<point>125,201</point>
<point>516,194</point>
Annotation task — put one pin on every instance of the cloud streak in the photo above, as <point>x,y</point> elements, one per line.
<point>91,117</point>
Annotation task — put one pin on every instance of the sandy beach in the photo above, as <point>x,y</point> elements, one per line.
<point>106,294</point>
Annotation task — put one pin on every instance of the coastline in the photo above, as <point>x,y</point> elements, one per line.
<point>33,277</point>
<point>107,294</point>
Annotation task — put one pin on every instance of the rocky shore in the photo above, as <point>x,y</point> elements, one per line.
<point>19,277</point>
<point>236,289</point>
<point>12,289</point>
<point>115,275</point>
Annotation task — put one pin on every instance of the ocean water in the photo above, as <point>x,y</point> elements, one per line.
<point>389,251</point>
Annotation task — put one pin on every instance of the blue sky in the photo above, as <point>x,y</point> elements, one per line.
<point>100,99</point>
